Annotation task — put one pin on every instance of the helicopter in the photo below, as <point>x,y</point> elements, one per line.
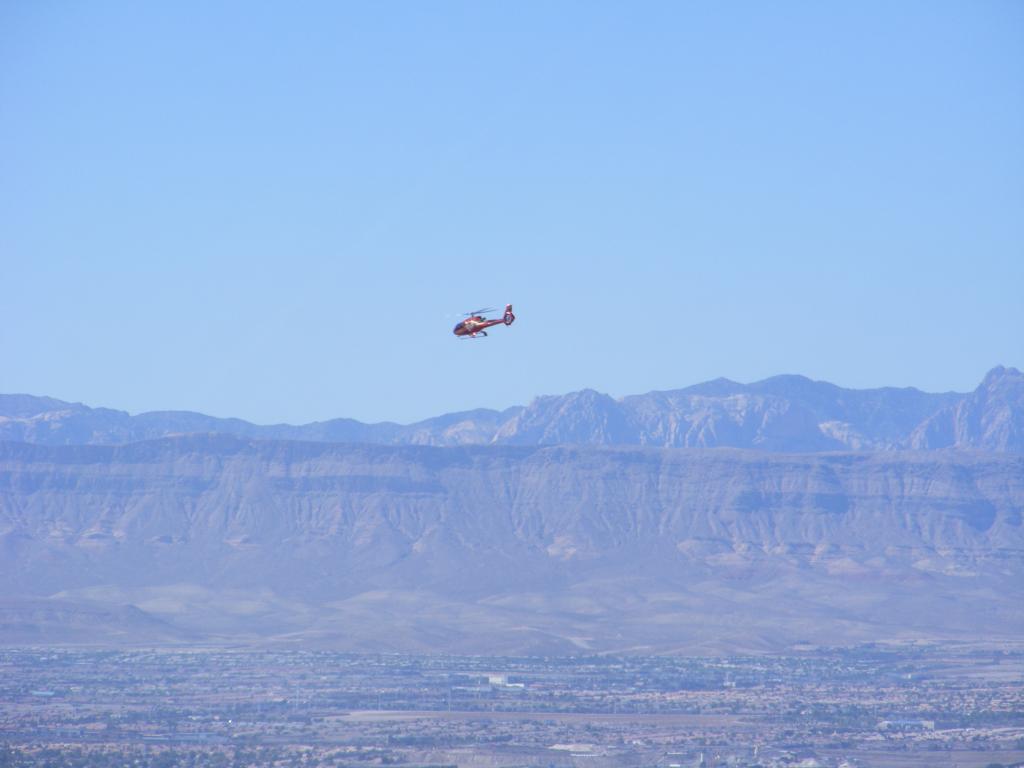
<point>475,323</point>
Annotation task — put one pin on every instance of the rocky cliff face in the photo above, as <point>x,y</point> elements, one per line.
<point>781,414</point>
<point>506,549</point>
<point>991,417</point>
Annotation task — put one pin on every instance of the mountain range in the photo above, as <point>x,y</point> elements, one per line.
<point>783,413</point>
<point>577,524</point>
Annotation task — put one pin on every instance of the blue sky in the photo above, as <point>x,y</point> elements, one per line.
<point>272,210</point>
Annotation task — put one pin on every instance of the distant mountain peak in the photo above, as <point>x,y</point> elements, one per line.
<point>990,418</point>
<point>26,406</point>
<point>785,413</point>
<point>720,387</point>
<point>1001,375</point>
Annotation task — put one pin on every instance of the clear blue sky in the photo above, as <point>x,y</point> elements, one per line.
<point>270,210</point>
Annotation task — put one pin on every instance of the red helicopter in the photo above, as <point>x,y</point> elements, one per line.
<point>475,323</point>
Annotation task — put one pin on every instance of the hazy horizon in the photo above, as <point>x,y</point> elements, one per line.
<point>616,396</point>
<point>273,214</point>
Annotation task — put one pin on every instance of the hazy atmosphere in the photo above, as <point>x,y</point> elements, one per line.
<point>275,214</point>
<point>731,474</point>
